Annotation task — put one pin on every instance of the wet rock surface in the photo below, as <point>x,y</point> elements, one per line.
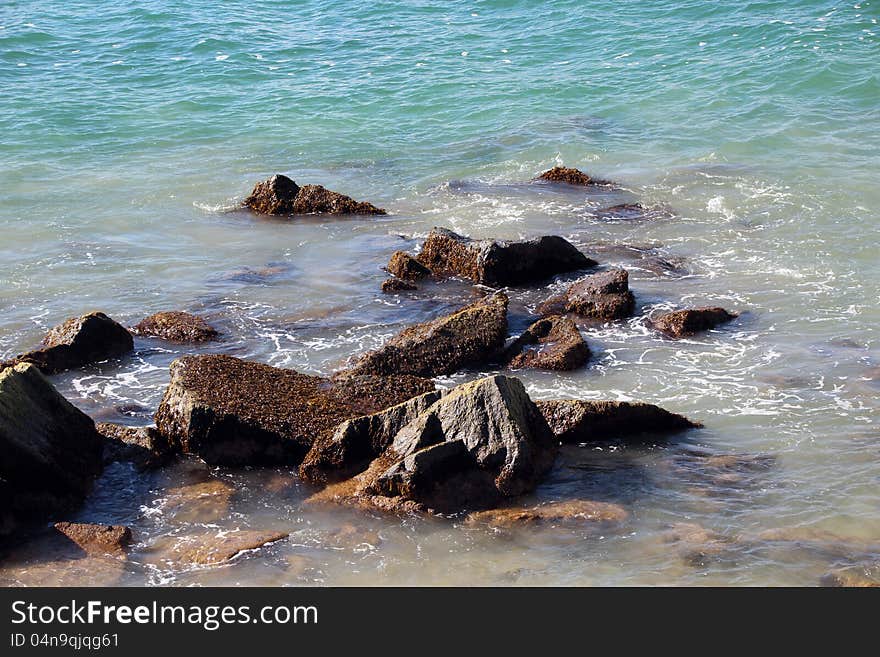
<point>406,267</point>
<point>604,296</point>
<point>683,323</point>
<point>279,195</point>
<point>551,343</point>
<point>395,285</point>
<point>146,447</point>
<point>210,548</point>
<point>555,513</point>
<point>500,263</point>
<point>96,539</point>
<point>853,577</point>
<point>176,326</point>
<point>582,421</point>
<point>469,336</point>
<point>571,176</point>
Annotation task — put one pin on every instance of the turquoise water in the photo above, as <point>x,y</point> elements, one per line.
<point>130,130</point>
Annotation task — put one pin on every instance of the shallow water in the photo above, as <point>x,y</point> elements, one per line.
<point>131,132</point>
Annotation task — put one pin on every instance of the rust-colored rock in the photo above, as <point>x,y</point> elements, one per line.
<point>500,263</point>
<point>210,548</point>
<point>279,195</point>
<point>393,285</point>
<point>683,323</point>
<point>467,337</point>
<point>571,512</point>
<point>404,266</point>
<point>146,447</point>
<point>202,502</point>
<point>851,578</point>
<point>571,176</point>
<point>176,326</point>
<point>96,539</point>
<point>604,296</point>
<point>552,343</point>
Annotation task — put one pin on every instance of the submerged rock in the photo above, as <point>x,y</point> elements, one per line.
<point>851,578</point>
<point>605,296</point>
<point>571,176</point>
<point>393,285</point>
<point>682,323</point>
<point>582,421</point>
<point>176,326</point>
<point>146,447</point>
<point>552,343</point>
<point>202,502</point>
<point>235,412</point>
<point>50,451</point>
<point>469,336</point>
<point>210,548</point>
<point>97,539</point>
<point>279,195</point>
<point>404,266</point>
<point>571,512</point>
<point>500,263</point>
<point>78,342</point>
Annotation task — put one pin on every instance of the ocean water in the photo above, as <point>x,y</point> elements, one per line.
<point>130,132</point>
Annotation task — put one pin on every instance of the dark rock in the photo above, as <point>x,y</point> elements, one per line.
<point>393,285</point>
<point>582,421</point>
<point>97,539</point>
<point>176,326</point>
<point>571,176</point>
<point>279,195</point>
<point>605,296</point>
<point>500,263</point>
<point>49,450</point>
<point>552,343</point>
<point>682,323</point>
<point>80,341</point>
<point>404,266</point>
<point>146,447</point>
<point>235,412</point>
<point>571,512</point>
<point>469,336</point>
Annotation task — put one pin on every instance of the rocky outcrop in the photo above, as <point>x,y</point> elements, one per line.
<point>279,195</point>
<point>78,342</point>
<point>479,444</point>
<point>571,512</point>
<point>604,296</point>
<point>393,285</point>
<point>683,323</point>
<point>552,343</point>
<point>49,450</point>
<point>96,539</point>
<point>404,266</point>
<point>470,336</point>
<point>582,421</point>
<point>235,412</point>
<point>571,176</point>
<point>176,326</point>
<point>146,447</point>
<point>500,263</point>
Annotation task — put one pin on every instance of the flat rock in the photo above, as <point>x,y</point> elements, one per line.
<point>571,176</point>
<point>146,447</point>
<point>851,578</point>
<point>211,549</point>
<point>406,267</point>
<point>97,570</point>
<point>279,195</point>
<point>176,326</point>
<point>604,296</point>
<point>78,342</point>
<point>96,539</point>
<point>582,421</point>
<point>553,513</point>
<point>551,343</point>
<point>468,337</point>
<point>50,451</point>
<point>683,323</point>
<point>500,263</point>
<point>202,502</point>
<point>235,412</point>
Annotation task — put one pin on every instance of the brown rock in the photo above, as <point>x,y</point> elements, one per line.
<point>404,266</point>
<point>467,337</point>
<point>211,549</point>
<point>393,285</point>
<point>571,176</point>
<point>146,447</point>
<point>605,296</point>
<point>176,326</point>
<point>500,263</point>
<point>555,513</point>
<point>97,539</point>
<point>552,343</point>
<point>582,421</point>
<point>682,323</point>
<point>279,195</point>
<point>203,502</point>
<point>849,578</point>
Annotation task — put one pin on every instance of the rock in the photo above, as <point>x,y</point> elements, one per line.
<point>849,578</point>
<point>50,451</point>
<point>470,336</point>
<point>603,296</point>
<point>80,341</point>
<point>393,285</point>
<point>694,543</point>
<point>279,195</point>
<point>146,447</point>
<point>682,323</point>
<point>176,326</point>
<point>479,444</point>
<point>555,513</point>
<point>63,573</point>
<point>582,421</point>
<point>552,343</point>
<point>404,266</point>
<point>571,177</point>
<point>500,263</point>
<point>234,412</point>
<point>97,539</point>
<point>202,502</point>
<point>211,549</point>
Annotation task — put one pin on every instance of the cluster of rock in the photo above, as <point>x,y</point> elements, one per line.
<point>279,195</point>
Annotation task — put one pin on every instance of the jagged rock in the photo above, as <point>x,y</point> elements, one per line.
<point>50,451</point>
<point>605,295</point>
<point>571,176</point>
<point>554,513</point>
<point>97,539</point>
<point>176,326</point>
<point>279,195</point>
<point>682,323</point>
<point>392,285</point>
<point>582,421</point>
<point>211,548</point>
<point>469,336</point>
<point>552,343</point>
<point>500,263</point>
<point>404,266</point>
<point>235,412</point>
<point>146,447</point>
<point>80,341</point>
